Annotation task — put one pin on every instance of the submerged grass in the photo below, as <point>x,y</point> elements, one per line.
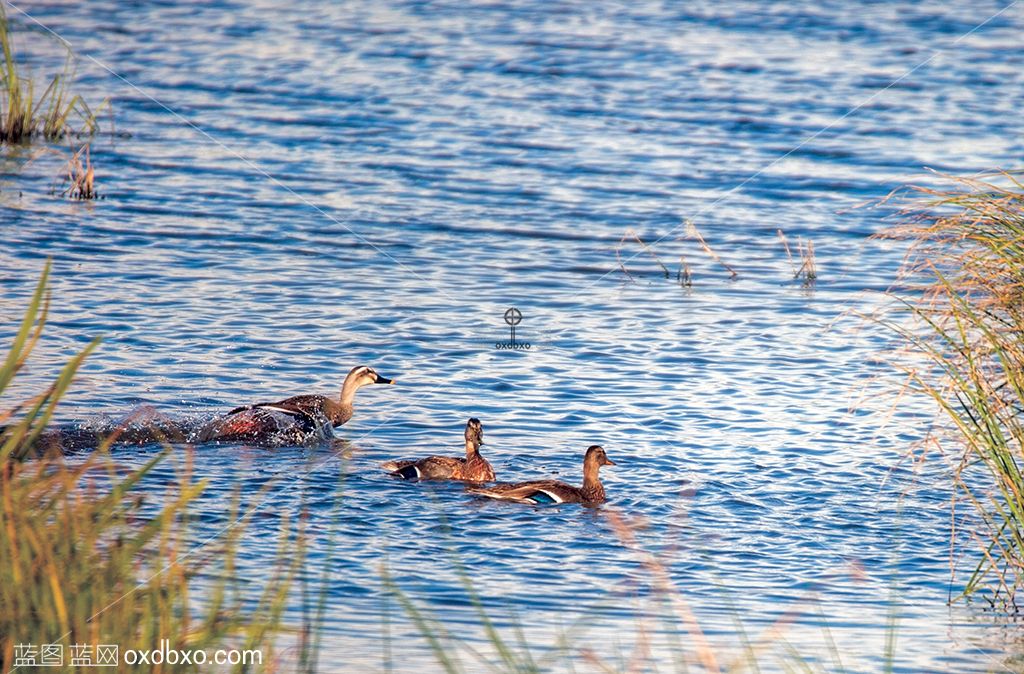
<point>53,113</point>
<point>964,289</point>
<point>668,637</point>
<point>684,275</point>
<point>84,562</point>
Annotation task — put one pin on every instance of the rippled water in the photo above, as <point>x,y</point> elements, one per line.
<point>294,191</point>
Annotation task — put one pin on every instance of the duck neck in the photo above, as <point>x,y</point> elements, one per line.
<point>472,450</point>
<point>348,391</point>
<point>592,486</point>
<point>341,412</point>
<point>337,412</point>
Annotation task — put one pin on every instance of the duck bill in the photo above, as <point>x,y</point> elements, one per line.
<point>383,380</point>
<point>609,462</point>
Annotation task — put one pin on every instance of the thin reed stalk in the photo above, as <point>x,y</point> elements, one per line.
<point>630,233</point>
<point>683,275</point>
<point>694,233</point>
<point>809,266</point>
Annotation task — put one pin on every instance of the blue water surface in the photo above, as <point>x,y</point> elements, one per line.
<point>292,190</point>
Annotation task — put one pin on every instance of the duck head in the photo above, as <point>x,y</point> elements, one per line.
<point>474,435</point>
<point>596,458</point>
<point>360,376</point>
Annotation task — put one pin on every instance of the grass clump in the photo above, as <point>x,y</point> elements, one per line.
<point>23,115</point>
<point>965,295</point>
<point>84,562</point>
<point>79,178</point>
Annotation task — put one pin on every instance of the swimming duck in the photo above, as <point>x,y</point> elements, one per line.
<point>553,491</point>
<point>295,420</point>
<point>473,468</point>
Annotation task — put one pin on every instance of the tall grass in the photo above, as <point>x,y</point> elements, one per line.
<point>52,113</point>
<point>24,423</point>
<point>84,563</point>
<point>965,294</point>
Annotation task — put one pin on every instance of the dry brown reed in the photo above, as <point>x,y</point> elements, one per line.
<point>808,268</point>
<point>694,233</point>
<point>684,275</point>
<point>80,179</point>
<point>631,234</point>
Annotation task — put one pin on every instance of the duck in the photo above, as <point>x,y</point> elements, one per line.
<point>472,468</point>
<point>544,492</point>
<point>297,420</point>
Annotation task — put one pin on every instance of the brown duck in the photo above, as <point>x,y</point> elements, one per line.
<point>296,420</point>
<point>553,491</point>
<point>473,468</point>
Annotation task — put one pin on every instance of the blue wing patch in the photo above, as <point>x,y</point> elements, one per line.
<point>542,498</point>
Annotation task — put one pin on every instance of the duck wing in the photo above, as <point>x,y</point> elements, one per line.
<point>291,421</point>
<point>430,468</point>
<point>308,405</point>
<point>539,492</point>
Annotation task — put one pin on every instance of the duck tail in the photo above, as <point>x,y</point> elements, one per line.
<point>406,470</point>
